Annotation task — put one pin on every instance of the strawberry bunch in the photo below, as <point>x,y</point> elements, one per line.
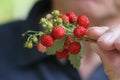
<point>62,37</point>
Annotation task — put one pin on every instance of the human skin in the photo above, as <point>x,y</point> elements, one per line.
<point>101,13</point>
<point>108,48</point>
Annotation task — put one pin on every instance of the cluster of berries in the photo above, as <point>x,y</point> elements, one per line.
<point>68,28</point>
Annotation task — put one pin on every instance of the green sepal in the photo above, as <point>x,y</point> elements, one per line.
<point>58,44</point>
<point>75,60</point>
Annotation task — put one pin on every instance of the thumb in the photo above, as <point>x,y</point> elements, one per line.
<point>96,32</point>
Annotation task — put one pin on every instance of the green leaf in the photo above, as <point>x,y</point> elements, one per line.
<point>75,60</point>
<point>58,44</point>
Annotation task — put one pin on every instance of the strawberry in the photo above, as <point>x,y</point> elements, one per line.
<point>46,40</point>
<point>67,41</point>
<point>72,17</point>
<point>74,48</point>
<point>62,54</point>
<point>58,32</point>
<point>35,39</point>
<point>41,48</point>
<point>56,13</point>
<point>59,55</point>
<point>79,31</point>
<point>29,45</point>
<point>64,17</point>
<point>86,32</point>
<point>83,21</point>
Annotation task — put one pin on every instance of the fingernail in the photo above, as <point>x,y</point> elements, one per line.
<point>106,37</point>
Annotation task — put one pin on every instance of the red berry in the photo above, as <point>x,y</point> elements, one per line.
<point>62,54</point>
<point>79,31</point>
<point>46,40</point>
<point>65,53</point>
<point>64,17</point>
<point>72,16</point>
<point>86,32</point>
<point>83,21</point>
<point>58,32</point>
<point>59,55</point>
<point>67,41</point>
<point>74,48</point>
<point>40,47</point>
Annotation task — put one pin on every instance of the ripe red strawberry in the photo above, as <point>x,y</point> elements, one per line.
<point>65,53</point>
<point>72,17</point>
<point>46,40</point>
<point>64,17</point>
<point>59,55</point>
<point>62,54</point>
<point>79,31</point>
<point>58,32</point>
<point>86,32</point>
<point>74,48</point>
<point>67,41</point>
<point>83,21</point>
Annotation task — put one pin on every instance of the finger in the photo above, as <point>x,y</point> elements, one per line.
<point>117,43</point>
<point>106,41</point>
<point>96,32</point>
<point>102,53</point>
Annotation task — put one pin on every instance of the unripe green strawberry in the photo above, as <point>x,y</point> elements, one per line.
<point>42,20</point>
<point>72,16</point>
<point>83,21</point>
<point>74,48</point>
<point>59,20</point>
<point>35,39</point>
<point>29,44</point>
<point>55,13</point>
<point>46,40</point>
<point>58,32</point>
<point>49,25</point>
<point>79,31</point>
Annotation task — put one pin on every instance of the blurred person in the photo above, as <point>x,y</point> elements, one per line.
<point>19,63</point>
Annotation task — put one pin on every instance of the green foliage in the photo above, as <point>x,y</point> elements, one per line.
<point>58,45</point>
<point>75,60</point>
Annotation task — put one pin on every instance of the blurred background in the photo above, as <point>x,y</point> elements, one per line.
<point>11,10</point>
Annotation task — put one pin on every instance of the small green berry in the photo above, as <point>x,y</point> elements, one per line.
<point>35,39</point>
<point>59,20</point>
<point>55,13</point>
<point>49,25</point>
<point>42,20</point>
<point>28,44</point>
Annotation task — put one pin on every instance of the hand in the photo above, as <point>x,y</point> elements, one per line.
<point>108,48</point>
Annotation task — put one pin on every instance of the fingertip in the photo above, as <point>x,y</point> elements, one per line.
<point>117,43</point>
<point>96,32</point>
<point>106,41</point>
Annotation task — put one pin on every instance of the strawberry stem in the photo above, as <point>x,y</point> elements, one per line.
<point>29,31</point>
<point>88,39</point>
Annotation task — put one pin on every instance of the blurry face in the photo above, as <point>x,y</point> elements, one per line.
<point>93,8</point>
